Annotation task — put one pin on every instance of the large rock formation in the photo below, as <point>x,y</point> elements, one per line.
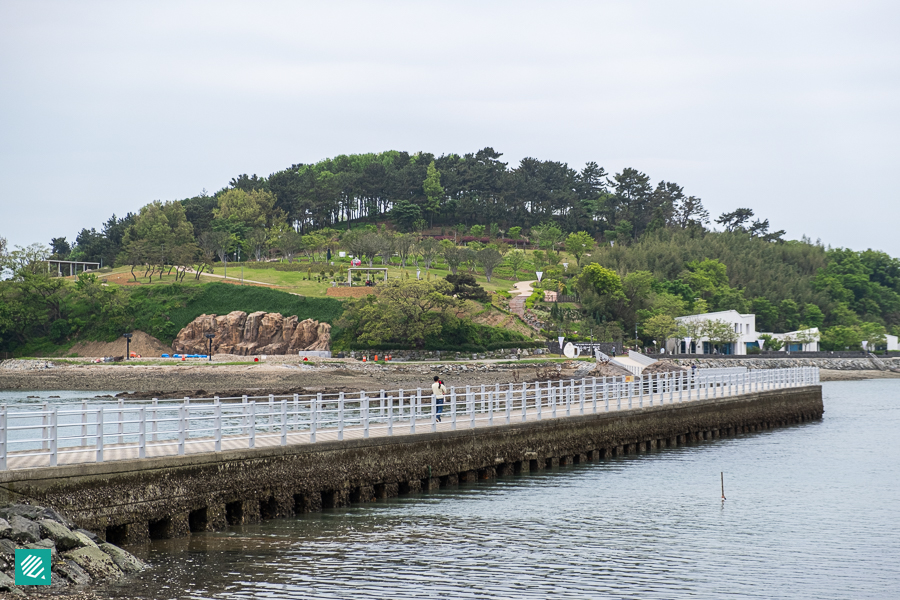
<point>256,333</point>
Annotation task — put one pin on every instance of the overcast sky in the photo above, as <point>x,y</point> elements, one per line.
<point>789,108</point>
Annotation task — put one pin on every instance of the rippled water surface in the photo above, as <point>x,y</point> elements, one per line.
<point>812,512</point>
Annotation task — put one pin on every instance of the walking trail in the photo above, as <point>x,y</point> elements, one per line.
<point>522,290</point>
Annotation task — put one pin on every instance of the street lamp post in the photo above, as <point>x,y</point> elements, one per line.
<point>209,338</point>
<point>127,337</point>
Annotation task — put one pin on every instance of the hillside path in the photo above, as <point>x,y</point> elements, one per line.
<point>522,290</point>
<point>271,285</point>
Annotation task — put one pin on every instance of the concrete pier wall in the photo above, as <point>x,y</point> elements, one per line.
<point>133,501</point>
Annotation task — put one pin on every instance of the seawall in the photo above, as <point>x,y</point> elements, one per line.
<point>133,501</point>
<point>789,362</point>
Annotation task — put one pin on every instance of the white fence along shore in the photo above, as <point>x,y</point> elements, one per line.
<point>44,434</point>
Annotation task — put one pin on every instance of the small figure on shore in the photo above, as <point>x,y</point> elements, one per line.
<point>438,390</point>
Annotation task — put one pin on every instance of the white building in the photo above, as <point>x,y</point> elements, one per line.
<point>893,343</point>
<point>805,340</point>
<point>744,328</point>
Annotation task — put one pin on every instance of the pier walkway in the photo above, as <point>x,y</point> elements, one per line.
<point>48,435</point>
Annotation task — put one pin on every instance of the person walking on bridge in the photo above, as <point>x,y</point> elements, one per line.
<point>438,391</point>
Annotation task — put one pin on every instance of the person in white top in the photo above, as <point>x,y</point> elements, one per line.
<point>438,391</point>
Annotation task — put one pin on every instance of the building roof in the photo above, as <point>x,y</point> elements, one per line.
<point>714,315</point>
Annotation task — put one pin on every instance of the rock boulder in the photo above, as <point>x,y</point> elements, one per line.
<point>256,333</point>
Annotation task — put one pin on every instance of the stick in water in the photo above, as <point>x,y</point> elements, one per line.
<point>722,476</point>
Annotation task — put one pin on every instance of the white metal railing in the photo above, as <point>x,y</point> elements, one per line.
<point>39,435</point>
<point>721,370</point>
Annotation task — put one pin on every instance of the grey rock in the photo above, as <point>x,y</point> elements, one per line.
<point>124,560</point>
<point>49,513</point>
<point>23,531</point>
<point>71,571</point>
<point>83,540</point>
<point>7,548</point>
<point>98,564</point>
<point>21,510</point>
<point>4,527</point>
<point>7,584</point>
<point>44,545</point>
<point>60,534</point>
<point>90,534</point>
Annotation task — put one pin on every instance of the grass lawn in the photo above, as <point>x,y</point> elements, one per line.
<point>290,281</point>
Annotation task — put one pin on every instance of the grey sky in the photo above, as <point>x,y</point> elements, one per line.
<point>789,108</point>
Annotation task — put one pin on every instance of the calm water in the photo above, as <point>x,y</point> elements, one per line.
<point>812,512</point>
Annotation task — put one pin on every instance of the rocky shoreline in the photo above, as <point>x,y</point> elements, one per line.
<point>79,559</point>
<point>273,375</point>
<point>288,375</point>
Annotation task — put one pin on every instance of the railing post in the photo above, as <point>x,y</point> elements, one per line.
<point>218,424</point>
<point>252,420</point>
<point>284,422</point>
<point>45,426</point>
<point>99,457</point>
<point>594,393</point>
<point>639,379</point>
<point>418,401</point>
<point>245,412</point>
<point>313,417</point>
<point>553,400</point>
<point>84,423</point>
<point>181,426</point>
<point>452,408</point>
<point>412,413</point>
<point>537,398</point>
<point>121,418</point>
<point>341,417</point>
<point>581,395</point>
<point>605,394</point>
<point>524,402</point>
<point>472,406</point>
<point>53,435</point>
<point>381,404</point>
<point>508,407</point>
<point>365,415</point>
<point>142,432</point>
<point>154,424</point>
<point>3,438</point>
<point>390,416</point>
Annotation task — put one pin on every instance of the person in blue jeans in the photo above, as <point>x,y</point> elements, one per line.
<point>438,391</point>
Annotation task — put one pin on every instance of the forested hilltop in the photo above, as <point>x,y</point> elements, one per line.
<point>633,252</point>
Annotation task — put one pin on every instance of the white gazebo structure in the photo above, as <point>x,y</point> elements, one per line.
<point>72,266</point>
<point>351,269</point>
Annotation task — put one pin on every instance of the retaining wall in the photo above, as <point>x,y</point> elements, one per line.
<point>133,501</point>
